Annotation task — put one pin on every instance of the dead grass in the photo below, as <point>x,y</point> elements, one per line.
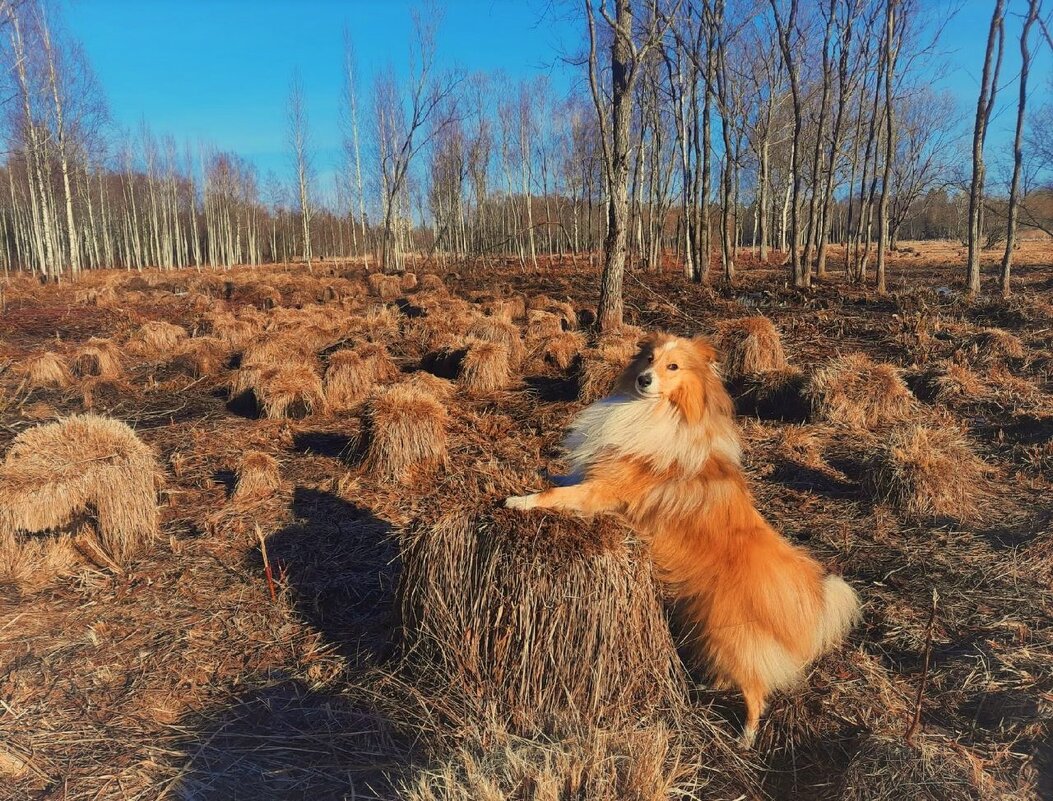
<point>385,287</point>
<point>56,476</point>
<point>508,608</point>
<point>294,391</point>
<point>602,364</point>
<point>564,348</point>
<point>485,367</point>
<point>995,344</point>
<point>258,476</point>
<point>749,346</point>
<point>351,375</point>
<point>405,433</point>
<point>99,358</point>
<point>46,370</point>
<point>857,391</point>
<point>929,472</point>
<point>500,332</point>
<point>157,339</point>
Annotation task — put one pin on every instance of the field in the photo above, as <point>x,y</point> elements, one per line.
<point>335,608</point>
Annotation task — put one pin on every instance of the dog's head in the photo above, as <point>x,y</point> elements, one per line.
<point>680,371</point>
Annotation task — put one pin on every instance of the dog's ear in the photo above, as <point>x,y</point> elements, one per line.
<point>704,349</point>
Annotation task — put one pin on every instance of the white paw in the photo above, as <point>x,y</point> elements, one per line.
<point>522,502</point>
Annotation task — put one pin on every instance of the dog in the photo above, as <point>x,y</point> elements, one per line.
<point>663,451</point>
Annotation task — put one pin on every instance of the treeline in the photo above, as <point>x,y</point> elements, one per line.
<point>779,126</point>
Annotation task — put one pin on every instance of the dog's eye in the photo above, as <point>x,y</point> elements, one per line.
<point>650,359</point>
<point>673,367</point>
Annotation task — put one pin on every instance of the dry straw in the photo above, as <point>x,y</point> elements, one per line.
<point>405,430</point>
<point>385,287</point>
<point>500,332</point>
<point>563,349</point>
<point>258,476</point>
<point>46,370</point>
<point>602,364</point>
<point>550,620</point>
<point>749,346</point>
<point>929,472</point>
<point>351,375</point>
<point>98,358</point>
<point>858,391</point>
<point>293,390</point>
<point>157,339</point>
<point>485,367</point>
<point>84,467</point>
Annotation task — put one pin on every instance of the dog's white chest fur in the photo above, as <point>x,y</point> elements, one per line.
<point>647,428</point>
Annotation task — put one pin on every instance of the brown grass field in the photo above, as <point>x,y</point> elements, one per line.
<point>335,607</point>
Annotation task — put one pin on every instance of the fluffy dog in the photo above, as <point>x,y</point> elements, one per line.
<point>663,451</point>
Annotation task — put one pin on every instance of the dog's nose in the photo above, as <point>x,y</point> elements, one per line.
<point>644,380</point>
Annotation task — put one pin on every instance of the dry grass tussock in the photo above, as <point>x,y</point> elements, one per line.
<point>644,764</point>
<point>258,476</point>
<point>351,375</point>
<point>749,346</point>
<point>57,475</point>
<point>500,332</point>
<point>563,349</point>
<point>430,282</point>
<point>929,472</point>
<point>100,358</point>
<point>859,392</point>
<point>485,367</point>
<point>293,391</point>
<point>951,382</point>
<point>484,590</point>
<point>542,325</point>
<point>46,370</point>
<point>995,344</point>
<point>602,364</point>
<point>405,431</point>
<point>385,287</point>
<point>157,339</point>
<point>203,356</point>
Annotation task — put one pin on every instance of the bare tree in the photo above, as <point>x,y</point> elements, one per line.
<point>629,49</point>
<point>984,106</point>
<point>1018,151</point>
<point>298,143</point>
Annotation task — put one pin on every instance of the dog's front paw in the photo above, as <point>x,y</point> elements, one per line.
<point>521,502</point>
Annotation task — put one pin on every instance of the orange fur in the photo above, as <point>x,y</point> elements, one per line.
<point>663,451</point>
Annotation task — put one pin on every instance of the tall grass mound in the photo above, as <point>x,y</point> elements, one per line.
<point>258,477</point>
<point>857,391</point>
<point>97,358</point>
<point>293,391</point>
<point>500,332</point>
<point>602,364</point>
<point>928,472</point>
<point>405,433</point>
<point>750,346</point>
<point>157,339</point>
<point>550,621</point>
<point>85,468</point>
<point>385,287</point>
<point>202,356</point>
<point>995,344</point>
<point>351,375</point>
<point>563,349</point>
<point>772,395</point>
<point>643,764</point>
<point>485,367</point>
<point>46,370</point>
<point>888,769</point>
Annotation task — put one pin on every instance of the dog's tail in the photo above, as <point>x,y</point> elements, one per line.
<point>840,612</point>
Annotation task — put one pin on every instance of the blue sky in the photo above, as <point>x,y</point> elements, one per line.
<point>219,70</point>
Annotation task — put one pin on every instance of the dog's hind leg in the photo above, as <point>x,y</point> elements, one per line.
<point>755,695</point>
